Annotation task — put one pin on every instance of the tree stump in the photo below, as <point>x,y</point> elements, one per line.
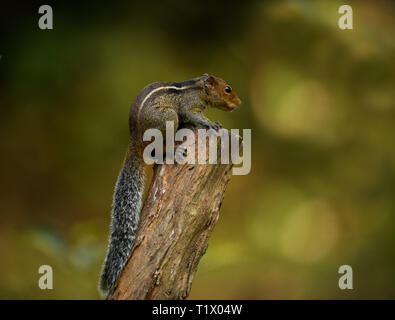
<point>177,218</point>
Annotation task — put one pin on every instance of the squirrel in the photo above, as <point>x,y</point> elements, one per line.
<point>182,102</point>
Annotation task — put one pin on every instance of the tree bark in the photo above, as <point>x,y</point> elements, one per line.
<point>177,218</point>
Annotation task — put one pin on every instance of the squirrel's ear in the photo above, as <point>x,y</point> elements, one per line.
<point>210,81</point>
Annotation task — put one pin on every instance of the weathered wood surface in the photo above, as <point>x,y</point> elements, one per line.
<point>179,213</point>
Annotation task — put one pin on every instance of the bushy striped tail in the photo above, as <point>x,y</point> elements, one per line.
<point>124,220</point>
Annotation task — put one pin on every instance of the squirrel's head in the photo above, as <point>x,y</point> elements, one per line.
<point>220,93</point>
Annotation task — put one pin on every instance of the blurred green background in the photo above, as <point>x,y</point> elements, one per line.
<point>319,101</point>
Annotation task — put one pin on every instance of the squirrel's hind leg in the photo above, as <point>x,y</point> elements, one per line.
<point>158,119</point>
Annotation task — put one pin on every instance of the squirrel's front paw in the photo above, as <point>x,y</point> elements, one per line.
<point>215,125</point>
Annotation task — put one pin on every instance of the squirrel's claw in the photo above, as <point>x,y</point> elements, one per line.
<point>215,125</point>
<point>181,152</point>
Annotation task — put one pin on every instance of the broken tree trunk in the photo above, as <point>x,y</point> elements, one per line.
<point>177,218</point>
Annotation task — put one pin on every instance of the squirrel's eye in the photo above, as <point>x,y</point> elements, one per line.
<point>228,89</point>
